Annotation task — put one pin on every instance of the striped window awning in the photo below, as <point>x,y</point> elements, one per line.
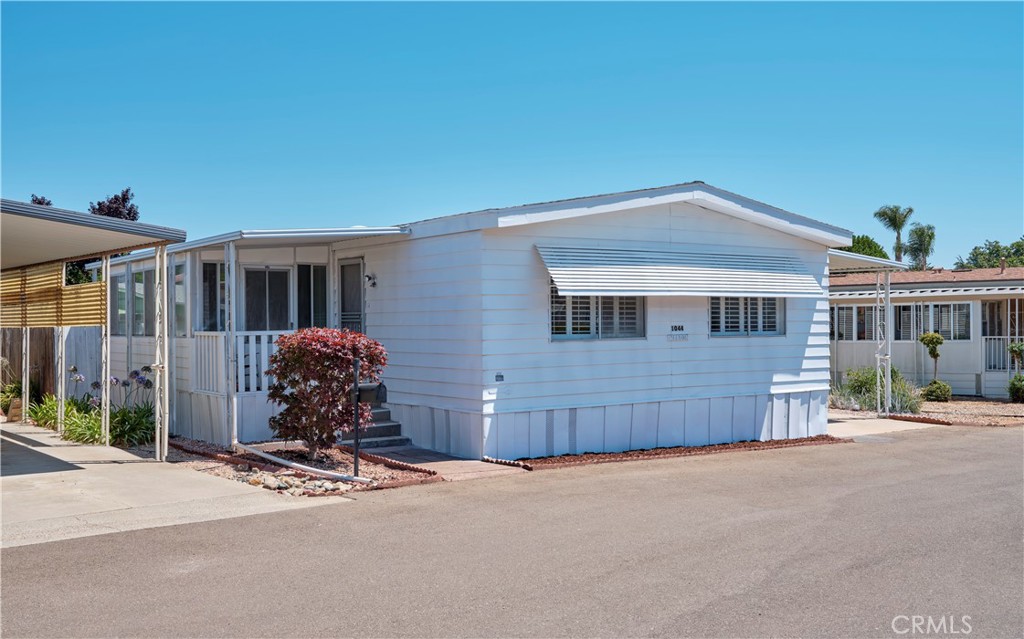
<point>614,271</point>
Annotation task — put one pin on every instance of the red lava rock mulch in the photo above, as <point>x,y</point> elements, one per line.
<point>562,461</point>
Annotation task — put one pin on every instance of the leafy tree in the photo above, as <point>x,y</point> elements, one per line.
<point>920,245</point>
<point>866,245</point>
<point>894,217</point>
<point>932,341</point>
<point>991,252</point>
<point>312,378</point>
<point>119,205</point>
<point>41,200</point>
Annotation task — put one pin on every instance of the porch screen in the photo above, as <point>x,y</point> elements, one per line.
<point>266,300</point>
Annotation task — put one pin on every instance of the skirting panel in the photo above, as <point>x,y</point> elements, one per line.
<point>452,432</point>
<point>691,422</point>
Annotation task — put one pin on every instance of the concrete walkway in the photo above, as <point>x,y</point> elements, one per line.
<point>854,427</point>
<point>53,489</point>
<point>451,468</point>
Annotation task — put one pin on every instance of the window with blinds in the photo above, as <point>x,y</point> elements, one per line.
<point>843,326</point>
<point>909,321</point>
<point>582,317</point>
<point>730,316</point>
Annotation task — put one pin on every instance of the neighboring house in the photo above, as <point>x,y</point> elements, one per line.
<point>978,312</point>
<point>668,316</point>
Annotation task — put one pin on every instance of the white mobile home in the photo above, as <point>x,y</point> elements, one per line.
<point>668,316</point>
<point>977,311</point>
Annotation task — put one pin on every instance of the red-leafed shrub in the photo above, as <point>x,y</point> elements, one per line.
<point>312,379</point>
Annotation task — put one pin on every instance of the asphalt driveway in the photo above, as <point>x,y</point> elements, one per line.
<point>827,541</point>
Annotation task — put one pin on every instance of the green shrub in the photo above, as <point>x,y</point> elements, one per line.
<point>1016,388</point>
<point>84,428</point>
<point>44,413</point>
<point>858,392</point>
<point>132,425</point>
<point>937,391</point>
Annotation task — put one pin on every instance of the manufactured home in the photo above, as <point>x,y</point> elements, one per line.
<point>668,316</point>
<point>978,312</point>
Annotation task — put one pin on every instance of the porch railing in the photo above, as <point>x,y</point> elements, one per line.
<point>997,358</point>
<point>253,350</point>
<point>208,366</point>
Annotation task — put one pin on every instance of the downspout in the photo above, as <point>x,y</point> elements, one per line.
<point>306,469</point>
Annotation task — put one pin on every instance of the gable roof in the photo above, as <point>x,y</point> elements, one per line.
<point>697,193</point>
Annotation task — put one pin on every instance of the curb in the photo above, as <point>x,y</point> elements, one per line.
<point>507,462</point>
<point>690,452</point>
<point>922,420</point>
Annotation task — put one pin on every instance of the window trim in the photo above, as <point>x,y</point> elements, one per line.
<point>744,305</point>
<point>595,333</point>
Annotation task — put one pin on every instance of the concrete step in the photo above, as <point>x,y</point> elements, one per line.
<point>381,414</point>
<point>379,429</point>
<point>380,442</point>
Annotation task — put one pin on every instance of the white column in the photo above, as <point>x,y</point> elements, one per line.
<point>26,381</point>
<point>230,317</point>
<point>160,363</point>
<point>105,353</point>
<point>888,342</point>
<point>62,376</point>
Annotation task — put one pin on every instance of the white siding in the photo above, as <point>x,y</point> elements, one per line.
<point>541,373</point>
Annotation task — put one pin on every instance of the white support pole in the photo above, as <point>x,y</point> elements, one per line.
<point>62,377</point>
<point>160,364</point>
<point>105,353</point>
<point>888,342</point>
<point>168,372</point>
<point>230,317</point>
<point>878,345</point>
<point>26,370</point>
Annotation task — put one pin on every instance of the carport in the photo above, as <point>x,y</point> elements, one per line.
<point>842,262</point>
<point>36,242</point>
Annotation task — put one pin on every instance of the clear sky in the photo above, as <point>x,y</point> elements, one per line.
<point>228,116</point>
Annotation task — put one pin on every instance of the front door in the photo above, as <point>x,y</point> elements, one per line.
<point>350,295</point>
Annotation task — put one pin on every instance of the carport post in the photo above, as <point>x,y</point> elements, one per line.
<point>105,354</point>
<point>160,368</point>
<point>62,386</point>
<point>230,278</point>
<point>25,370</point>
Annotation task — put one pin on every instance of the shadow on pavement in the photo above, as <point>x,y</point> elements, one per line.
<point>20,459</point>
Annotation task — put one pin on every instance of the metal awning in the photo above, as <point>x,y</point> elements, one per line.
<point>847,262</point>
<point>614,271</point>
<point>34,234</point>
<point>998,292</point>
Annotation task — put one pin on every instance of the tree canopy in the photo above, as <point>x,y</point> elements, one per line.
<point>920,245</point>
<point>991,252</point>
<point>866,245</point>
<point>894,217</point>
<point>119,205</point>
<point>41,200</point>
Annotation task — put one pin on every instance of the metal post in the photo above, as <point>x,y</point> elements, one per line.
<point>105,353</point>
<point>166,372</point>
<point>888,342</point>
<point>62,376</point>
<point>355,413</point>
<point>26,378</point>
<point>159,367</point>
<point>878,346</point>
<point>230,280</point>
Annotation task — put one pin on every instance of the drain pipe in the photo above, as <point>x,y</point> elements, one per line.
<point>306,469</point>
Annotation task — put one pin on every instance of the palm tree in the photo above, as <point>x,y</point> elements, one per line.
<point>921,245</point>
<point>894,217</point>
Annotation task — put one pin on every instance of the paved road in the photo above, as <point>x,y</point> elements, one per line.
<point>823,541</point>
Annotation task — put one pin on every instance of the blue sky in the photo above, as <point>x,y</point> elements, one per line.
<point>227,116</point>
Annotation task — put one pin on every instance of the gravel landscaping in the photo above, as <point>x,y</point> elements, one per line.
<point>558,461</point>
<point>257,471</point>
<point>961,410</point>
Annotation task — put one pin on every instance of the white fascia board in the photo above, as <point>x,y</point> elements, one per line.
<point>857,263</point>
<point>987,292</point>
<point>704,196</point>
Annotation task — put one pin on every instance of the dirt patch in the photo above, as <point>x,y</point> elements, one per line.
<point>976,411</point>
<point>560,461</point>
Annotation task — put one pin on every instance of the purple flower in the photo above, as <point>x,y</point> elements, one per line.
<point>149,384</point>
<point>114,381</point>
<point>95,385</point>
<point>147,369</point>
<point>133,374</point>
<point>78,378</point>
<point>141,380</point>
<point>126,383</point>
<point>72,369</point>
<point>94,402</point>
